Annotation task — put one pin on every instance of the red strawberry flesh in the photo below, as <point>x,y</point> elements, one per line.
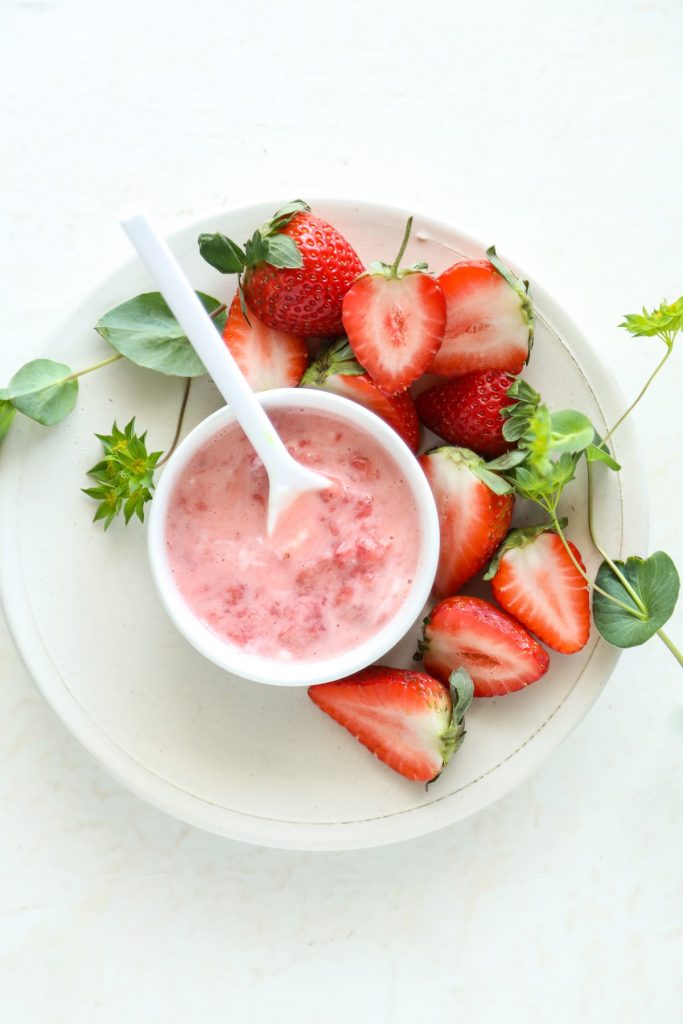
<point>498,653</point>
<point>402,717</point>
<point>487,325</point>
<point>267,358</point>
<point>540,586</point>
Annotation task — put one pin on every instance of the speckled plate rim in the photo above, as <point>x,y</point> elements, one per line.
<point>379,830</point>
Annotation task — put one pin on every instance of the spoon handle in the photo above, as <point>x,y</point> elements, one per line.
<point>203,336</point>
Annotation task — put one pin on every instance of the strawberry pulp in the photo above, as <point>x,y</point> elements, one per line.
<point>339,565</point>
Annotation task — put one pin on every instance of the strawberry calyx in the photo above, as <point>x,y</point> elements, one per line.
<point>484,471</point>
<point>519,286</point>
<point>451,739</point>
<point>266,245</point>
<point>393,271</point>
<point>337,359</point>
<point>519,538</point>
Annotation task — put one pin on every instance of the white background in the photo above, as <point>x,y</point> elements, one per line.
<point>552,129</point>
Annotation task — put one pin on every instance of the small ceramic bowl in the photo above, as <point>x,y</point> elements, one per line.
<point>300,673</point>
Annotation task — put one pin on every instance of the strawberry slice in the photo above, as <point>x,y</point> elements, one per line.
<point>496,651</point>
<point>407,719</point>
<point>490,319</point>
<point>395,320</point>
<point>475,509</point>
<point>336,370</point>
<point>267,358</point>
<point>534,579</point>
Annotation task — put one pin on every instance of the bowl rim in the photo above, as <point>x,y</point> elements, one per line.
<point>257,668</point>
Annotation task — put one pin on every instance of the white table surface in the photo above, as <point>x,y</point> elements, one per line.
<point>553,130</point>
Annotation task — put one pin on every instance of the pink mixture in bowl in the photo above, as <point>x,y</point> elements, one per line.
<point>340,563</point>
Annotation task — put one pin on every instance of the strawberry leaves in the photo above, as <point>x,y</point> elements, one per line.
<point>124,476</point>
<point>266,245</point>
<point>646,589</point>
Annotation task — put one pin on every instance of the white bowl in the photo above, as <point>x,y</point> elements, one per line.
<point>270,670</point>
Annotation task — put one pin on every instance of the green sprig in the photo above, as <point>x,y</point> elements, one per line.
<point>124,477</point>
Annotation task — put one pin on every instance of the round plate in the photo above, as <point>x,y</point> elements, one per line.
<point>258,763</point>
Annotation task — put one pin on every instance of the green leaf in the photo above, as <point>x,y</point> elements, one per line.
<point>42,391</point>
<point>571,431</point>
<point>494,482</point>
<point>7,413</point>
<point>462,692</point>
<point>507,461</point>
<point>146,332</point>
<point>285,214</point>
<point>281,251</point>
<point>255,250</point>
<point>336,359</point>
<point>666,319</point>
<point>594,453</point>
<point>125,475</point>
<point>222,253</point>
<point>654,580</point>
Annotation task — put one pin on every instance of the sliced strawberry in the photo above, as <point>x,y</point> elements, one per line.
<point>336,370</point>
<point>395,321</point>
<point>473,517</point>
<point>267,358</point>
<point>407,719</point>
<point>496,651</point>
<point>467,411</point>
<point>490,319</point>
<point>535,580</point>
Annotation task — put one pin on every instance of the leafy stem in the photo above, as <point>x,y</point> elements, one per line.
<point>401,252</point>
<point>179,424</point>
<point>636,612</point>
<point>671,645</point>
<point>633,404</point>
<point>90,369</point>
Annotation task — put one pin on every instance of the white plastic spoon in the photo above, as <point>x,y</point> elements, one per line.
<point>287,478</point>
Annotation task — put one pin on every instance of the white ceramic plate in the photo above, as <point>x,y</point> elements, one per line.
<point>258,763</point>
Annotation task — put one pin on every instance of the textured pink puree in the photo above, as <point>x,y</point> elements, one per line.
<point>337,568</point>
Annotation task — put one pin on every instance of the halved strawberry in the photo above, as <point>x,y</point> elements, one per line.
<point>336,370</point>
<point>267,358</point>
<point>475,509</point>
<point>535,580</point>
<point>490,321</point>
<point>496,651</point>
<point>466,411</point>
<point>407,719</point>
<point>395,321</point>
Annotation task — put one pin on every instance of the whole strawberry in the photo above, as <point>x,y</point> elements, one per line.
<point>466,411</point>
<point>294,271</point>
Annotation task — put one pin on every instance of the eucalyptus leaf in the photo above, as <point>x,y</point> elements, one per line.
<point>281,252</point>
<point>594,453</point>
<point>43,391</point>
<point>571,431</point>
<point>654,580</point>
<point>222,253</point>
<point>145,331</point>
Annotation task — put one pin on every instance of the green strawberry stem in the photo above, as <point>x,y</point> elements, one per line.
<point>633,404</point>
<point>401,252</point>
